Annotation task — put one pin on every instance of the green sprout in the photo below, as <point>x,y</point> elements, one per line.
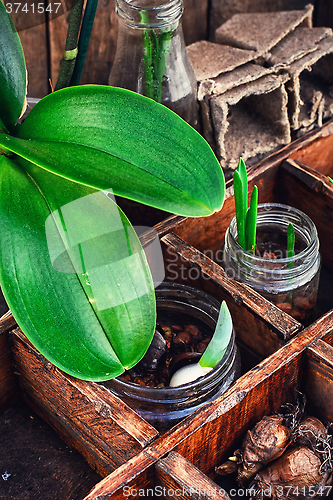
<point>246,218</point>
<point>213,354</point>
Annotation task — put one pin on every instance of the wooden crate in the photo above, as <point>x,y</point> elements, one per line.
<point>183,461</point>
<point>109,435</point>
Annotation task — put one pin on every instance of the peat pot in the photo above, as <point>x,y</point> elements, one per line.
<point>165,406</point>
<point>289,282</point>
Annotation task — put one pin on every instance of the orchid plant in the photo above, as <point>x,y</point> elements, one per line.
<point>72,269</point>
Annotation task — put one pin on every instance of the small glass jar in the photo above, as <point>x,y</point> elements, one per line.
<point>289,282</point>
<point>163,407</point>
<point>151,57</point>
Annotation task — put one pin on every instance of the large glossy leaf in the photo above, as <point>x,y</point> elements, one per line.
<point>73,273</point>
<point>112,138</point>
<point>13,75</point>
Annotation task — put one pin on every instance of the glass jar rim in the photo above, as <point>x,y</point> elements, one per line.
<point>267,207</point>
<point>159,15</point>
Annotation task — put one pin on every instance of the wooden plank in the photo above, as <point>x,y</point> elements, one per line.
<point>38,463</point>
<point>195,20</point>
<point>131,480</point>
<point>83,412</point>
<point>9,390</point>
<point>176,477</point>
<point>318,154</point>
<point>319,379</point>
<point>311,192</point>
<point>33,35</point>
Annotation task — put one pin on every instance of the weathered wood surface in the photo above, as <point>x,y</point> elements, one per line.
<point>198,437</point>
<point>33,34</point>
<point>311,192</point>
<point>39,464</point>
<point>319,378</point>
<point>318,154</point>
<point>87,416</point>
<point>9,390</point>
<point>176,478</point>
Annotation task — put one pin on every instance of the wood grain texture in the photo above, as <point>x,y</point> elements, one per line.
<point>312,193</point>
<point>195,20</point>
<point>9,390</point>
<point>318,379</point>
<point>31,26</point>
<point>176,477</point>
<point>93,421</point>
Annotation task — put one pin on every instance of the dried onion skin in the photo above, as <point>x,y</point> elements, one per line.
<point>295,475</point>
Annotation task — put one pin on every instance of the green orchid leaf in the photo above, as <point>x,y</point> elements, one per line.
<point>13,75</point>
<point>220,340</point>
<point>73,273</point>
<point>108,137</point>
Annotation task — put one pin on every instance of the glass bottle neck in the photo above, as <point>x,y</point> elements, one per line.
<point>149,14</point>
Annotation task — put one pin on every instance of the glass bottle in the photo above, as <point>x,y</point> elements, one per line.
<point>163,407</point>
<point>289,282</point>
<point>151,57</point>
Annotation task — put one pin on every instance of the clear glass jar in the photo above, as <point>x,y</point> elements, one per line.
<point>164,407</point>
<point>151,57</point>
<point>290,282</point>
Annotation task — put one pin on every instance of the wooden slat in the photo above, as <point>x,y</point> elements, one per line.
<point>9,390</point>
<point>31,26</point>
<point>318,154</point>
<point>319,379</point>
<point>176,477</point>
<point>195,20</point>
<point>96,423</point>
<point>311,192</point>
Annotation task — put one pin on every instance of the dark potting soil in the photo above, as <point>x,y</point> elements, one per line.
<point>35,464</point>
<point>172,346</point>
